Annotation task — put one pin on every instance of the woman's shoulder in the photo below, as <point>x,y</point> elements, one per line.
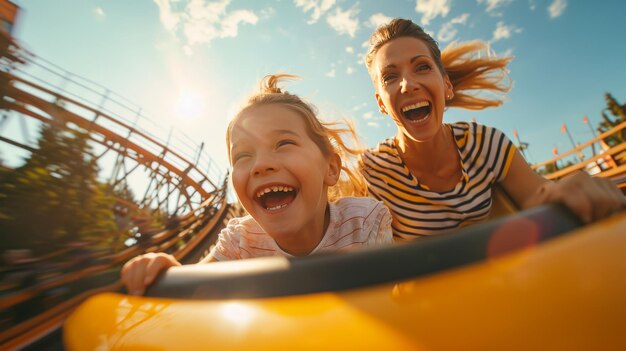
<point>381,157</point>
<point>462,128</point>
<point>385,146</point>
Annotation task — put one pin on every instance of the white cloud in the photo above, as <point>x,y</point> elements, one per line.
<point>462,19</point>
<point>349,70</point>
<point>267,13</point>
<point>360,106</point>
<point>360,58</point>
<point>344,22</point>
<point>168,18</point>
<point>378,19</point>
<point>373,124</point>
<point>492,5</point>
<point>331,73</point>
<point>318,8</point>
<point>503,31</point>
<point>431,9</point>
<point>349,49</point>
<point>374,117</point>
<point>230,24</point>
<point>448,31</point>
<point>556,8</point>
<point>201,21</point>
<point>508,52</point>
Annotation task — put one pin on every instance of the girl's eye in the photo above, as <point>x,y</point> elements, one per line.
<point>285,142</point>
<point>388,78</point>
<point>240,156</point>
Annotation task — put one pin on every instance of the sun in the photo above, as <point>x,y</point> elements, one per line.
<point>189,105</point>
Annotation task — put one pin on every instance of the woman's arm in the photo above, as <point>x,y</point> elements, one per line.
<point>589,198</point>
<point>521,182</point>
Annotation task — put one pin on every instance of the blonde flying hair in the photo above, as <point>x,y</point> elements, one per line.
<point>469,65</point>
<point>328,136</point>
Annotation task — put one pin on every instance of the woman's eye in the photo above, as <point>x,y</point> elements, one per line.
<point>423,67</point>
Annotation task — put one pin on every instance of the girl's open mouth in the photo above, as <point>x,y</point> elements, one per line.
<point>274,198</point>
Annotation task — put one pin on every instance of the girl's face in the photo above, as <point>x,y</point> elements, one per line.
<point>280,175</point>
<point>410,87</point>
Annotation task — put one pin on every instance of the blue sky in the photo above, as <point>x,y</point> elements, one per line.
<point>190,63</point>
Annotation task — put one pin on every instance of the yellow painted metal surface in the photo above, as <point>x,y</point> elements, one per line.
<point>566,294</point>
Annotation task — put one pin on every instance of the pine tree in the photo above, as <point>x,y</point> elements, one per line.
<point>55,197</point>
<point>615,108</point>
<point>619,112</point>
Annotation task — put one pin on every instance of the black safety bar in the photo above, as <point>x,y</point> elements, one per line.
<point>277,276</point>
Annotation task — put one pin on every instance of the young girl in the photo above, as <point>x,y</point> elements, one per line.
<point>436,176</point>
<point>286,171</point>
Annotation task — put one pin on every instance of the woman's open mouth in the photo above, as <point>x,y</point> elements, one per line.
<point>274,198</point>
<point>417,112</point>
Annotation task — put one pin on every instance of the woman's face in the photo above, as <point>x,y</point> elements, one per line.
<point>410,87</point>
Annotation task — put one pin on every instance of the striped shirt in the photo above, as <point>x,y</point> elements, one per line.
<point>485,154</point>
<point>354,222</point>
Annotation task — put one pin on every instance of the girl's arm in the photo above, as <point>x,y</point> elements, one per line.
<point>208,259</point>
<point>140,272</point>
<point>589,198</point>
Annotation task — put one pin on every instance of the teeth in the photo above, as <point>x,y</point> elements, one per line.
<point>414,106</point>
<point>274,189</point>
<point>277,207</point>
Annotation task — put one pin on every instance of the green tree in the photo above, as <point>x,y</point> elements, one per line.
<point>55,197</point>
<point>615,108</point>
<point>619,112</point>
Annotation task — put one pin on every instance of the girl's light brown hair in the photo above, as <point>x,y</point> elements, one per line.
<point>328,136</point>
<point>470,66</point>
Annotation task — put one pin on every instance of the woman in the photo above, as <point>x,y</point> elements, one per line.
<point>436,176</point>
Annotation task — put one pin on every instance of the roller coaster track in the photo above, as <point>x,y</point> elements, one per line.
<point>181,179</point>
<point>609,163</point>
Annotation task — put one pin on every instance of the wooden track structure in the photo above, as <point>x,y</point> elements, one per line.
<point>609,163</point>
<point>187,184</point>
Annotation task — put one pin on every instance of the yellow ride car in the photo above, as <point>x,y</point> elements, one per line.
<point>537,280</point>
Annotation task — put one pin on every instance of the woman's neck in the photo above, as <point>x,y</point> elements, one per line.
<point>434,162</point>
<point>430,153</point>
